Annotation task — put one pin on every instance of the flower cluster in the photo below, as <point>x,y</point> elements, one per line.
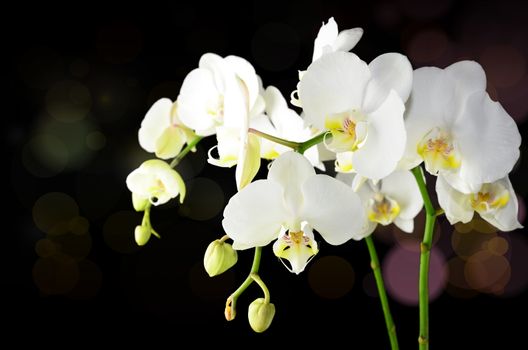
<point>378,122</point>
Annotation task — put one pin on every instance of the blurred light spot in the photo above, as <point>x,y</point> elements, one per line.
<point>272,38</point>
<point>497,246</point>
<point>53,211</point>
<point>118,231</point>
<point>204,199</point>
<point>112,97</point>
<point>467,244</point>
<point>387,14</point>
<point>518,262</point>
<point>400,270</point>
<point>95,140</point>
<point>482,226</point>
<point>45,155</point>
<point>424,9</point>
<point>215,288</point>
<point>487,272</point>
<point>40,67</point>
<point>79,225</point>
<point>331,277</point>
<point>369,285</point>
<point>384,234</point>
<point>458,286</point>
<point>55,275</point>
<point>89,283</point>
<point>119,42</point>
<point>504,65</point>
<point>46,248</point>
<point>427,46</point>
<point>68,101</point>
<point>76,246</point>
<point>79,68</point>
<point>463,228</point>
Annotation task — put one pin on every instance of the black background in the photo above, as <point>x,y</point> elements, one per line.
<point>138,53</point>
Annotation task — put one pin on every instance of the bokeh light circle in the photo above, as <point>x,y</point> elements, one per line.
<point>68,101</point>
<point>53,211</point>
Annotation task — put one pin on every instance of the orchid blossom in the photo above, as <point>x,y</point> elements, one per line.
<point>286,207</point>
<point>455,128</point>
<point>362,105</point>
<point>161,131</point>
<point>495,202</point>
<point>394,199</point>
<point>156,182</point>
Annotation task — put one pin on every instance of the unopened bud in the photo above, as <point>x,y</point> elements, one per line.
<point>260,315</point>
<point>219,257</point>
<point>142,234</point>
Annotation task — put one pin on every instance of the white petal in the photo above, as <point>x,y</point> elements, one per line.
<point>170,142</point>
<point>218,67</point>
<point>488,138</point>
<point>248,160</point>
<point>325,38</point>
<point>333,84</point>
<point>505,219</point>
<point>426,109</point>
<point>406,225</point>
<point>332,208</point>
<point>228,147</point>
<point>245,72</point>
<point>291,170</point>
<point>385,141</point>
<point>347,39</point>
<point>469,77</point>
<point>457,206</point>
<point>253,217</point>
<point>389,71</point>
<point>198,101</point>
<point>401,186</point>
<point>157,119</point>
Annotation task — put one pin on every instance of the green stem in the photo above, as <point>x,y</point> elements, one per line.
<point>190,146</point>
<point>262,286</point>
<point>312,142</point>
<point>425,254</point>
<point>374,264</point>
<point>300,147</point>
<point>230,310</point>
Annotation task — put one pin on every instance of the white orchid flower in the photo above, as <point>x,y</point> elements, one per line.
<point>455,128</point>
<point>283,122</point>
<point>362,105</point>
<point>220,92</point>
<point>495,202</point>
<point>328,40</point>
<point>394,199</point>
<point>287,205</point>
<point>156,182</point>
<point>161,131</point>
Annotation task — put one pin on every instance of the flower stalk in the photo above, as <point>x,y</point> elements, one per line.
<point>425,254</point>
<point>376,269</point>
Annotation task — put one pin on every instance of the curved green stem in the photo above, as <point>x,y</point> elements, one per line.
<point>230,309</point>
<point>425,254</point>
<point>190,146</point>
<point>300,147</point>
<point>374,264</point>
<point>262,286</point>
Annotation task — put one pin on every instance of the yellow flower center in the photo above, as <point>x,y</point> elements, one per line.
<point>382,209</point>
<point>348,130</point>
<point>490,198</point>
<point>296,247</point>
<point>438,151</point>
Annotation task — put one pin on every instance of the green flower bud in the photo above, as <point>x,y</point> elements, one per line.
<point>219,257</point>
<point>142,234</point>
<point>260,314</point>
<point>139,203</point>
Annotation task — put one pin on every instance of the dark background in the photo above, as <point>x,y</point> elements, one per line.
<point>80,78</point>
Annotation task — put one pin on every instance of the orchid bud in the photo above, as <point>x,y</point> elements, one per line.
<point>219,257</point>
<point>260,314</point>
<point>142,234</point>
